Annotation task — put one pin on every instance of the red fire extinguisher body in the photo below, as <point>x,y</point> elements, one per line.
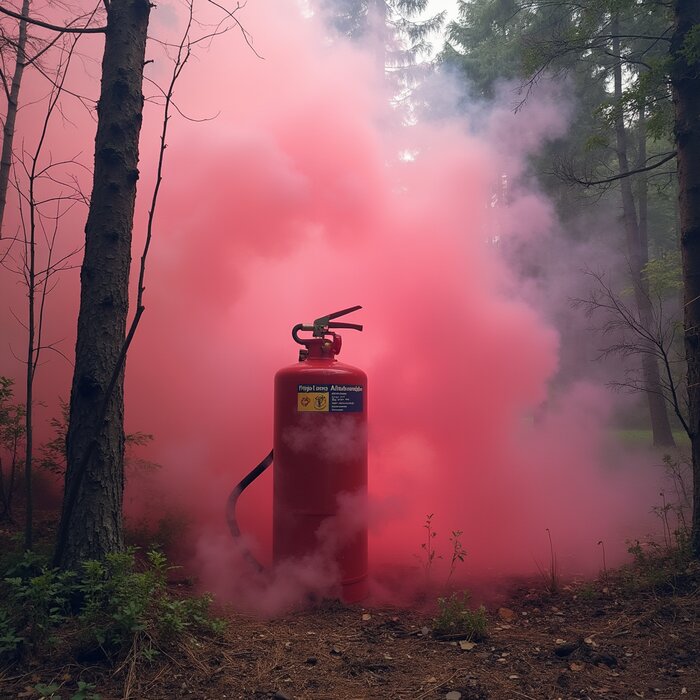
<point>320,466</point>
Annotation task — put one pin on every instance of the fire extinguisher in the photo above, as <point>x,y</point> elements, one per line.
<point>320,456</point>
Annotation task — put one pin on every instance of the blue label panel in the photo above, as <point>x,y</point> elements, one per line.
<point>342,398</point>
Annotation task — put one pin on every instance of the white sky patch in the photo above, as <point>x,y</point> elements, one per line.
<point>449,6</point>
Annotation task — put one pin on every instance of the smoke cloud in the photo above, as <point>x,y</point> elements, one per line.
<point>294,202</point>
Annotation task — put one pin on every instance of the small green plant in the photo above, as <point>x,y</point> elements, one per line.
<point>455,619</point>
<point>586,592</point>
<point>428,547</point>
<point>430,552</point>
<point>44,600</point>
<point>47,691</point>
<point>662,566</point>
<point>10,641</point>
<point>656,568</point>
<point>85,692</point>
<point>458,552</point>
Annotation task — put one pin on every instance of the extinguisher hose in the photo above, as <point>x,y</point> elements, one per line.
<point>242,485</point>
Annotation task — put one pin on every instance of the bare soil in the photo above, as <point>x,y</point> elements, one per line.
<point>602,640</point>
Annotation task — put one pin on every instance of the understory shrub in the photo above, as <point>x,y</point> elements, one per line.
<point>105,607</point>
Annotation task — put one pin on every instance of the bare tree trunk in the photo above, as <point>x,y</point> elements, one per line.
<point>31,329</point>
<point>638,252</point>
<point>685,84</point>
<point>8,132</point>
<point>377,12</point>
<point>91,522</point>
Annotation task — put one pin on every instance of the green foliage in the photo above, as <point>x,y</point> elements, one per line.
<point>52,456</point>
<point>399,27</point>
<point>587,592</point>
<point>485,43</point>
<point>10,641</point>
<point>49,691</point>
<point>456,619</point>
<point>106,606</point>
<point>691,45</point>
<point>44,601</point>
<point>119,602</point>
<point>85,692</point>
<point>12,415</point>
<point>664,273</point>
<point>162,534</point>
<point>665,566</point>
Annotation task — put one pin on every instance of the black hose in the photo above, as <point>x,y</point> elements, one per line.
<point>242,485</point>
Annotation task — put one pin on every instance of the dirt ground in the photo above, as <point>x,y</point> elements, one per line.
<point>587,641</point>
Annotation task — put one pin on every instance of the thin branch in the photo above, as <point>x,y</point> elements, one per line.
<point>621,176</point>
<point>53,27</point>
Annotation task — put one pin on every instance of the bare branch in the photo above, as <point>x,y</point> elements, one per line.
<point>53,27</point>
<point>620,176</point>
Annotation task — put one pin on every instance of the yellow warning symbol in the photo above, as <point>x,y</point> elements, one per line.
<point>312,401</point>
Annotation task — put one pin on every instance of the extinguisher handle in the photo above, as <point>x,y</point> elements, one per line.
<point>336,314</point>
<point>322,325</point>
<point>351,326</point>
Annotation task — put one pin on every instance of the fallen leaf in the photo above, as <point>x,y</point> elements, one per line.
<point>366,617</point>
<point>466,646</point>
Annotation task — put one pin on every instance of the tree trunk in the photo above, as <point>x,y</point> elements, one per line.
<point>685,84</point>
<point>91,522</point>
<point>638,252</point>
<point>8,132</point>
<point>377,15</point>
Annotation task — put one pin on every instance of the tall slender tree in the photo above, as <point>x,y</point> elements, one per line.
<point>397,31</point>
<point>685,83</point>
<point>91,522</point>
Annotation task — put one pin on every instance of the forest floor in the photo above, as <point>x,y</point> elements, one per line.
<point>634,635</point>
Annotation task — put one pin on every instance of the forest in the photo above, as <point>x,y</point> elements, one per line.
<point>213,214</point>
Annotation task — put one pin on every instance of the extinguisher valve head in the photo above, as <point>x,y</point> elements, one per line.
<point>322,328</point>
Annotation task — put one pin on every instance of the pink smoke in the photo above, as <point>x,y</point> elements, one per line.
<point>292,203</point>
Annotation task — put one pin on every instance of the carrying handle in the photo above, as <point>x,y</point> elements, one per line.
<point>322,326</point>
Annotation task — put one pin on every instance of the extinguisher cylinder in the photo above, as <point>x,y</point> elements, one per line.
<point>320,469</point>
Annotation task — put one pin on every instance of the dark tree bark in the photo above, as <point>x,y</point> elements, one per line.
<point>685,84</point>
<point>638,252</point>
<point>8,132</point>
<point>91,522</point>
